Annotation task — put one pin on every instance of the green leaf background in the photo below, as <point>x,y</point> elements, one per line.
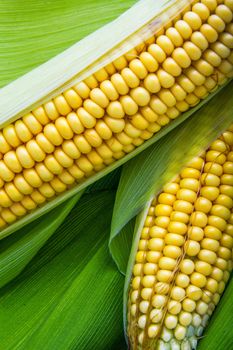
<point>33,31</point>
<point>70,296</point>
<point>60,287</point>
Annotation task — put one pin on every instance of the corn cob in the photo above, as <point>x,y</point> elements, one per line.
<point>184,255</point>
<point>110,113</point>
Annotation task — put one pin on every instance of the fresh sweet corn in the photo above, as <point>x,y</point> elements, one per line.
<point>116,109</point>
<point>184,255</point>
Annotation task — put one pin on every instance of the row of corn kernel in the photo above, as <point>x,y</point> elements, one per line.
<point>34,186</point>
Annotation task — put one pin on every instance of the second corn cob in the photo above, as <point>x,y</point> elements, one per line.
<point>184,255</point>
<point>99,120</point>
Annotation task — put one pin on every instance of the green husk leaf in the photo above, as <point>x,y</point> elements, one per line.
<point>122,245</point>
<point>219,333</point>
<point>145,174</point>
<point>108,182</point>
<point>33,31</point>
<point>139,222</point>
<point>17,250</point>
<point>70,295</point>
